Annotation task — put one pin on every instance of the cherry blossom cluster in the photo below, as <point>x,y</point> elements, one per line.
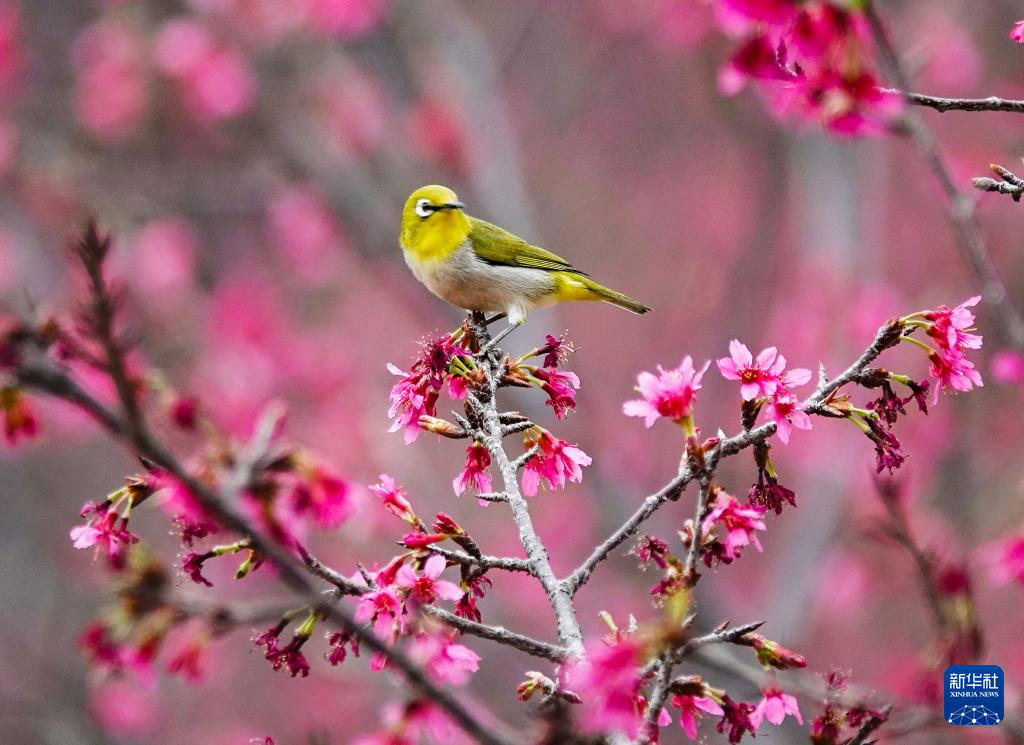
<point>447,363</point>
<point>412,613</point>
<point>811,60</point>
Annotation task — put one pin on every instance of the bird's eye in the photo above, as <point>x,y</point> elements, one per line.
<point>424,208</point>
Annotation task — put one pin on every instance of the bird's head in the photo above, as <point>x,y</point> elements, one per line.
<point>433,223</point>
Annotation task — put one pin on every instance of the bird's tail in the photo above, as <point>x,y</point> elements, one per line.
<point>588,289</point>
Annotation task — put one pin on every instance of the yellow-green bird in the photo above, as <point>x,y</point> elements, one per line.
<point>475,265</point>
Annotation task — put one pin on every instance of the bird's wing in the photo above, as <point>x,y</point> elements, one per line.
<point>498,246</point>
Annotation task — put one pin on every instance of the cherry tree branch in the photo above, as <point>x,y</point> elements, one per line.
<point>887,336</point>
<point>942,105</point>
<point>131,429</point>
<point>504,563</point>
<point>290,569</point>
<point>960,207</point>
<point>722,635</point>
<point>499,634</point>
<point>1010,183</point>
<point>662,685</point>
<point>490,434</point>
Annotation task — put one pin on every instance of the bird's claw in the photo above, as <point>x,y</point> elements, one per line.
<point>486,348</point>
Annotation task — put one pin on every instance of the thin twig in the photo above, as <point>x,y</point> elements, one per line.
<point>1010,184</point>
<point>499,634</point>
<point>701,510</point>
<point>940,104</point>
<point>726,635</point>
<point>655,702</point>
<point>506,563</point>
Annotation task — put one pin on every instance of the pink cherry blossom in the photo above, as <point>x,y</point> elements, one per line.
<point>394,498</point>
<point>322,493</point>
<point>305,230</point>
<point>951,331</point>
<point>692,709</point>
<point>438,133</point>
<point>554,462</point>
<point>775,706</point>
<point>668,394</point>
<point>1008,366</point>
<point>478,459</point>
<point>736,718</point>
<point>774,12</point>
<point>420,540</point>
<point>561,388</point>
<point>189,515</point>
<point>426,587</point>
<point>192,565</point>
<point>111,95</point>
<point>164,255</point>
<point>1006,558</point>
<point>346,19</point>
<point>215,80</point>
<point>417,393</point>
<point>758,377</point>
<point>338,641</point>
<point>735,528</point>
<point>953,371</point>
<point>1017,32</point>
<point>952,328</point>
<point>106,535</point>
<point>445,660</point>
<point>784,409</point>
<point>609,683</point>
<point>383,607</point>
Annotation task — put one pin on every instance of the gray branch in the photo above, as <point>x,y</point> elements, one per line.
<point>559,593</point>
<point>499,634</point>
<point>507,563</point>
<point>940,104</point>
<point>1010,184</point>
<point>660,691</point>
<point>724,635</point>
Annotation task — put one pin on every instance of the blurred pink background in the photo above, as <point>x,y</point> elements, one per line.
<point>252,156</point>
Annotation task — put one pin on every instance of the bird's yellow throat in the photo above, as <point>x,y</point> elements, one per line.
<point>435,238</point>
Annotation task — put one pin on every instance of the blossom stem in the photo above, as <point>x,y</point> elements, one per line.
<point>918,343</point>
<point>690,573</point>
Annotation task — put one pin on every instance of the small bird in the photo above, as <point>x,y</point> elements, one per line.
<point>475,265</point>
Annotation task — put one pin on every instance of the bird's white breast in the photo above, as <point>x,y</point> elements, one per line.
<point>466,281</point>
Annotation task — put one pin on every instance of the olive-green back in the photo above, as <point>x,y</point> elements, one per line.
<point>498,246</point>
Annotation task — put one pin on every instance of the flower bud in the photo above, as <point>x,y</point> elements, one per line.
<point>446,525</point>
<point>772,654</point>
<point>441,427</point>
<point>422,540</point>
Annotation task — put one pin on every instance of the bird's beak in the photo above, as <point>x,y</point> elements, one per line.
<point>452,206</point>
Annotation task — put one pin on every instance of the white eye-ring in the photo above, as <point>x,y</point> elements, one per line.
<point>424,208</point>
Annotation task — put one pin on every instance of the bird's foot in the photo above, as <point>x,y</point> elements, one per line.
<point>486,349</point>
<point>492,319</point>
